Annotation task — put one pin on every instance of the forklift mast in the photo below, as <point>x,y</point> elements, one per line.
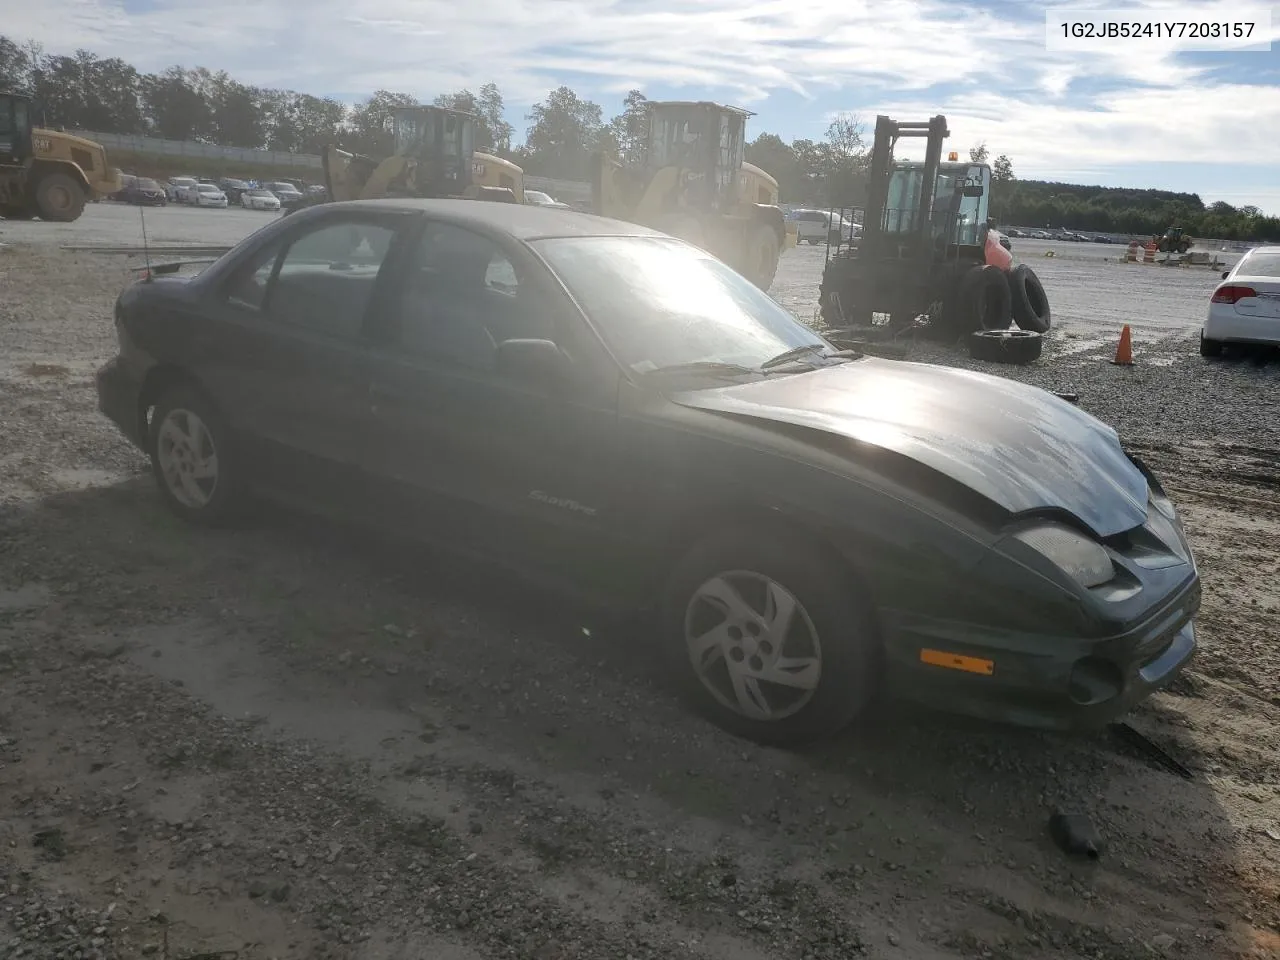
<point>877,239</point>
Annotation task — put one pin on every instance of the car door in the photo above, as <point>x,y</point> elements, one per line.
<point>504,466</point>
<point>289,359</point>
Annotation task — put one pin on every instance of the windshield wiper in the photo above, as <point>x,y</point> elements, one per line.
<point>705,366</point>
<point>795,353</point>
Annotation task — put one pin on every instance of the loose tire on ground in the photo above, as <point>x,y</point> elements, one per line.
<point>1006,346</point>
<point>1028,301</point>
<point>59,198</point>
<point>188,411</point>
<point>981,302</point>
<point>848,650</point>
<point>1209,348</point>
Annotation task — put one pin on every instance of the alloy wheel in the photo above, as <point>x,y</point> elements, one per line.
<point>188,458</point>
<point>753,645</point>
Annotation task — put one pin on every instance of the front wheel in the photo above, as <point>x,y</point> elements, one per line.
<point>192,459</point>
<point>59,198</point>
<point>767,640</point>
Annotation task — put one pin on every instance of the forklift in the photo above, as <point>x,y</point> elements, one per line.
<point>927,252</point>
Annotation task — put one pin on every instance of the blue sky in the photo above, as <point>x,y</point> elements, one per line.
<point>1141,114</point>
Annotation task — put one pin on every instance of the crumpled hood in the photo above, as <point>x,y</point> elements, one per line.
<point>1019,446</point>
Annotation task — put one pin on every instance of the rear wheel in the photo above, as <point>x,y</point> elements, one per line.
<point>762,256</point>
<point>766,638</point>
<point>59,197</point>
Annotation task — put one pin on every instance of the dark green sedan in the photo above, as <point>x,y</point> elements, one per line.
<point>618,413</point>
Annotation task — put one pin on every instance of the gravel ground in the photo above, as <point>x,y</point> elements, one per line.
<point>295,740</point>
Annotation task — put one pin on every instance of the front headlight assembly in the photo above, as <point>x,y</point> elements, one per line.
<point>1084,560</point>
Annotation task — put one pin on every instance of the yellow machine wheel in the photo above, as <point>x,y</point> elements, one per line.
<point>762,256</point>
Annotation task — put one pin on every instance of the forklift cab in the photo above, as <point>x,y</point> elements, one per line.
<point>958,210</point>
<point>704,140</point>
<point>441,139</point>
<point>15,127</point>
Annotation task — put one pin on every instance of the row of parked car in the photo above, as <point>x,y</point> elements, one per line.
<point>207,192</point>
<point>1066,235</point>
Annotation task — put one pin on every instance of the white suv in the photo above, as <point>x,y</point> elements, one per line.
<point>819,226</point>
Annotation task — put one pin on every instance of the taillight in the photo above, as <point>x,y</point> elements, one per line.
<point>1231,293</point>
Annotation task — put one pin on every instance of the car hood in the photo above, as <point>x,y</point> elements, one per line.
<point>1020,447</point>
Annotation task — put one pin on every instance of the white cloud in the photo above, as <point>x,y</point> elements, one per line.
<point>891,56</point>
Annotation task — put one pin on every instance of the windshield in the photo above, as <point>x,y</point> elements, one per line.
<point>145,184</point>
<point>1259,265</point>
<point>260,193</point>
<point>284,188</point>
<point>661,303</point>
<point>182,181</point>
<point>537,196</point>
<point>209,188</point>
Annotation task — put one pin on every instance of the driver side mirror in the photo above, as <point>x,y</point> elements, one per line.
<point>534,362</point>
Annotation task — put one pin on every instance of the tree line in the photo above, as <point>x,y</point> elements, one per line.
<point>88,92</point>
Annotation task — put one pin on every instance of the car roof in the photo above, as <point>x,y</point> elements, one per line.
<point>522,221</point>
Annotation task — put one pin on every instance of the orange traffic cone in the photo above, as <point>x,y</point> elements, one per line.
<point>1124,349</point>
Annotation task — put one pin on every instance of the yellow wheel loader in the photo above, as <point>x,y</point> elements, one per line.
<point>434,157</point>
<point>692,183</point>
<point>47,173</point>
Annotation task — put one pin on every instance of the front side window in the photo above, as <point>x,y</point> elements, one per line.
<point>662,303</point>
<point>463,297</point>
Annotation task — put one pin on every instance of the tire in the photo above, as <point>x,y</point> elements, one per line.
<point>1028,302</point>
<point>181,407</point>
<point>1209,348</point>
<point>981,302</point>
<point>59,198</point>
<point>846,653</point>
<point>763,252</point>
<point>1006,346</point>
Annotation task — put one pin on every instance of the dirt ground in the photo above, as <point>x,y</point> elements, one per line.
<point>296,740</point>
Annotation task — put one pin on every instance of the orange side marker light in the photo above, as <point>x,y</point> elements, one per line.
<point>954,661</point>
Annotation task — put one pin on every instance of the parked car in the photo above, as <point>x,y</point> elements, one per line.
<point>1245,306</point>
<point>1102,239</point>
<point>209,195</point>
<point>539,199</point>
<point>820,226</point>
<point>259,198</point>
<point>285,192</point>
<point>602,406</point>
<point>232,188</point>
<point>140,190</point>
<point>178,189</point>
<point>316,190</point>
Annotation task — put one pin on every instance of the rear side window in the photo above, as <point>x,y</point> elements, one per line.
<point>327,276</point>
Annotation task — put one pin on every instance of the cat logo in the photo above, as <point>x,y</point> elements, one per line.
<point>477,169</point>
<point>42,144</point>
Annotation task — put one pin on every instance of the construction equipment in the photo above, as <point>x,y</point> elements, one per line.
<point>927,247</point>
<point>48,173</point>
<point>691,182</point>
<point>1173,241</point>
<point>434,157</point>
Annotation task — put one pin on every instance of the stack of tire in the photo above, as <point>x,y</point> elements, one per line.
<point>987,300</point>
